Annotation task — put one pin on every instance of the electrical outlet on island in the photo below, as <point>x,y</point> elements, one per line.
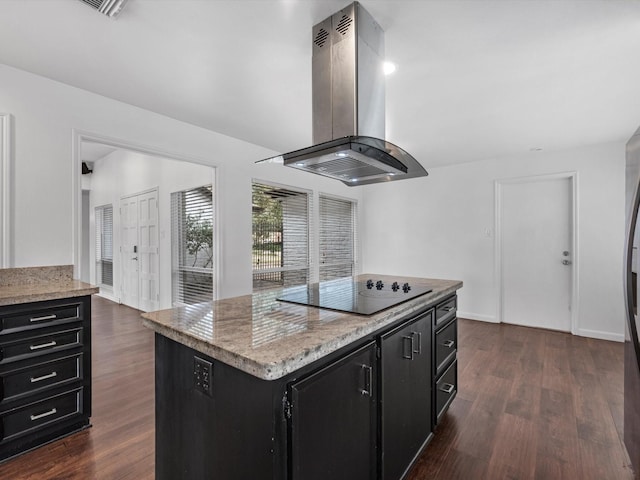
<point>202,375</point>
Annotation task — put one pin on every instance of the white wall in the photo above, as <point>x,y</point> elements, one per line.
<point>46,113</point>
<point>436,227</point>
<point>431,226</point>
<point>123,173</point>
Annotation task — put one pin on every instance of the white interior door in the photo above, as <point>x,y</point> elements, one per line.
<point>536,240</point>
<point>140,260</point>
<point>148,261</point>
<point>128,248</point>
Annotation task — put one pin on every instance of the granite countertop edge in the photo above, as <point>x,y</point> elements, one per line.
<point>12,295</point>
<point>291,363</point>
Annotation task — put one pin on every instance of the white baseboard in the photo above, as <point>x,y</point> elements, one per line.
<point>614,337</point>
<point>108,296</point>
<point>477,316</point>
<point>582,332</point>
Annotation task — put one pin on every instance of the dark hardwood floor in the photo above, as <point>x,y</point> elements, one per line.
<point>532,404</point>
<point>120,445</point>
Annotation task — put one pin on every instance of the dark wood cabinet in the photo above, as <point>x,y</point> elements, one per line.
<point>363,412</point>
<point>334,420</point>
<point>406,395</point>
<point>445,365</point>
<point>45,372</point>
<point>446,346</point>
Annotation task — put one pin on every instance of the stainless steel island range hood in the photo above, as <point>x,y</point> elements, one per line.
<point>349,105</point>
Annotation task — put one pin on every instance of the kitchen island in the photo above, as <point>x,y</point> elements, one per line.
<point>252,387</point>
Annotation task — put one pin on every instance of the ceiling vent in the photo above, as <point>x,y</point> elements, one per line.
<point>110,8</point>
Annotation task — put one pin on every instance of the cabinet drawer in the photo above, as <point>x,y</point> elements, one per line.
<point>446,310</point>
<point>22,421</point>
<point>446,346</point>
<point>40,317</point>
<point>446,389</point>
<point>50,374</point>
<point>40,344</point>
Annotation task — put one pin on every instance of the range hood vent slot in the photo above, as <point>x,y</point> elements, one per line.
<point>110,8</point>
<point>344,24</point>
<point>321,38</point>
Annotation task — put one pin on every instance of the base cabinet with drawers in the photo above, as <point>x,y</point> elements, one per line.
<point>364,412</point>
<point>45,372</point>
<point>445,366</point>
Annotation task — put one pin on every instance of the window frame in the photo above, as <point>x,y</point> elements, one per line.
<point>313,228</point>
<point>354,232</point>
<point>100,243</point>
<point>178,249</point>
<point>309,240</point>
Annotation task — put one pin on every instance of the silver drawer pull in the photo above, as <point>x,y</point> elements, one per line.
<point>447,388</point>
<point>53,316</point>
<point>419,349</point>
<point>42,415</point>
<point>368,378</point>
<point>52,343</point>
<point>411,348</point>
<point>44,377</point>
<point>448,309</point>
<point>448,343</point>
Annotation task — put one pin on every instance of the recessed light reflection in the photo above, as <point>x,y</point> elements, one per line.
<point>389,68</point>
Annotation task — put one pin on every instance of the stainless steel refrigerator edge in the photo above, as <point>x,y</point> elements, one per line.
<point>632,342</point>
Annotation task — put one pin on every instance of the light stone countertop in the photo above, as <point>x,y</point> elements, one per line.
<point>34,284</point>
<point>270,339</point>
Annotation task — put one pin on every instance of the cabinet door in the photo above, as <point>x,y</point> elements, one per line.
<point>333,420</point>
<point>406,394</point>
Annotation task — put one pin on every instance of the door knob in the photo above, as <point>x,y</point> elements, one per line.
<point>134,258</point>
<point>565,253</point>
<point>566,262</point>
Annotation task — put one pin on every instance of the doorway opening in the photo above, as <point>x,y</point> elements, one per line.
<point>137,182</point>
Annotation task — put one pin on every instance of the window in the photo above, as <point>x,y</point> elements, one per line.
<point>104,245</point>
<point>192,245</point>
<point>280,236</point>
<point>337,231</point>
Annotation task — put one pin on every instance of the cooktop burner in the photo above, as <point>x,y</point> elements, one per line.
<point>347,295</point>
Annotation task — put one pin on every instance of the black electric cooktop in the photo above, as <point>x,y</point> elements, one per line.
<point>347,295</point>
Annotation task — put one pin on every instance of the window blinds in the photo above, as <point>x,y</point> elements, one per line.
<point>192,249</point>
<point>104,245</point>
<point>337,238</point>
<point>280,228</point>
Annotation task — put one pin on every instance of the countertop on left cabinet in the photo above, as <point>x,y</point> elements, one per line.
<point>35,284</point>
<point>45,356</point>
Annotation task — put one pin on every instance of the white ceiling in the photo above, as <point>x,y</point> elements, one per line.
<point>476,79</point>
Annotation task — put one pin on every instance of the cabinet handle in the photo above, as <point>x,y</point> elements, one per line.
<point>52,343</point>
<point>447,388</point>
<point>368,376</point>
<point>448,309</point>
<point>448,343</point>
<point>42,319</point>
<point>404,348</point>
<point>42,415</point>
<point>44,377</point>
<point>419,350</point>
